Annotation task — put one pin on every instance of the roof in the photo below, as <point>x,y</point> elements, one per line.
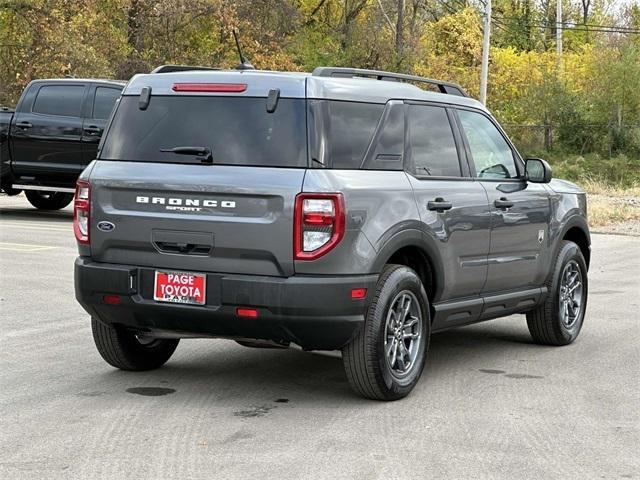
<point>120,83</point>
<point>296,85</point>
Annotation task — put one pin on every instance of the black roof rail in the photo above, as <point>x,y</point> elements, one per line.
<point>443,87</point>
<point>179,68</point>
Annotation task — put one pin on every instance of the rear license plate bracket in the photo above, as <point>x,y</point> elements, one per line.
<point>186,288</point>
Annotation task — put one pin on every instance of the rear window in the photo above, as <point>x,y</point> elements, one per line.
<point>432,146</point>
<point>103,101</point>
<point>238,131</point>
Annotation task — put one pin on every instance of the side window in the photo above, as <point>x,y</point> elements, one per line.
<point>103,101</point>
<point>351,126</point>
<point>432,148</point>
<point>63,100</point>
<point>492,156</point>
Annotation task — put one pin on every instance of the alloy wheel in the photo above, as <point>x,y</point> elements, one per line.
<point>402,333</point>
<point>571,290</point>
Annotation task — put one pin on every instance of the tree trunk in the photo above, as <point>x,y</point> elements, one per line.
<point>586,4</point>
<point>133,23</point>
<point>400,31</point>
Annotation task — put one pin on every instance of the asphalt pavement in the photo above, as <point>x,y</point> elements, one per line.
<point>491,404</point>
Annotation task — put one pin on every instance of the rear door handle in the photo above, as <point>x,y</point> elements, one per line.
<point>24,125</point>
<point>439,205</point>
<point>503,203</point>
<point>92,130</point>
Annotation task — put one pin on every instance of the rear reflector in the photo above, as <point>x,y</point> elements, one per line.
<point>210,87</point>
<point>111,299</point>
<point>247,312</point>
<point>358,293</point>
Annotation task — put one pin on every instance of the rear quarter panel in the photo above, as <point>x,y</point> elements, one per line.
<point>379,204</point>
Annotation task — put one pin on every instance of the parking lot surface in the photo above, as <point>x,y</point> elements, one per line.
<point>490,404</point>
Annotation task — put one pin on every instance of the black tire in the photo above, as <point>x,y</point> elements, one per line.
<point>48,200</point>
<point>366,364</point>
<point>121,348</point>
<point>546,323</point>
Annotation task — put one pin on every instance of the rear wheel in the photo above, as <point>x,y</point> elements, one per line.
<point>558,321</point>
<point>48,200</point>
<point>386,359</point>
<point>126,350</point>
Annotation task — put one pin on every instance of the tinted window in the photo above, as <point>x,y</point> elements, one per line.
<point>238,131</point>
<point>103,101</point>
<point>63,100</point>
<point>432,146</point>
<point>388,147</point>
<point>491,153</point>
<point>351,126</point>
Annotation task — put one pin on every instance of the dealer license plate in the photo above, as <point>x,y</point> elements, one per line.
<point>180,287</point>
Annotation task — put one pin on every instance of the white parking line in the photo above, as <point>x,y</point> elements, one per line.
<point>37,226</point>
<point>23,247</point>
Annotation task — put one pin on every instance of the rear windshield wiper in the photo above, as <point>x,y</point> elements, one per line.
<point>203,153</point>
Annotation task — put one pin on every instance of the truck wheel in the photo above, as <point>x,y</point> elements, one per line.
<point>385,360</point>
<point>558,321</point>
<point>48,200</point>
<point>123,349</point>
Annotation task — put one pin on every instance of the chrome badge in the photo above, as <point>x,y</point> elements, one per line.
<point>106,226</point>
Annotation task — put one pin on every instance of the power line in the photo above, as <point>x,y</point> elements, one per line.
<point>579,27</point>
<point>615,27</point>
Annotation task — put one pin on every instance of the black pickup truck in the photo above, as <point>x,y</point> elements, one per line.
<point>52,136</point>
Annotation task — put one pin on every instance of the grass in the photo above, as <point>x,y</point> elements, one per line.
<point>610,206</point>
<point>612,185</point>
<point>605,213</point>
<point>618,172</point>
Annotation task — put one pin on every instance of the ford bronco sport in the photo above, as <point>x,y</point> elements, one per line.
<point>339,210</point>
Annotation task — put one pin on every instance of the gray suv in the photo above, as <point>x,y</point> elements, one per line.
<point>342,210</point>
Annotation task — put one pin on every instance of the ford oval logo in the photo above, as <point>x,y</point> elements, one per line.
<point>106,226</point>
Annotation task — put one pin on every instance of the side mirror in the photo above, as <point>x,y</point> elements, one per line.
<point>537,170</point>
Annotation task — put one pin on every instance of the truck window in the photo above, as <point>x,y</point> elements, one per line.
<point>103,101</point>
<point>351,126</point>
<point>63,100</point>
<point>432,148</point>
<point>237,130</point>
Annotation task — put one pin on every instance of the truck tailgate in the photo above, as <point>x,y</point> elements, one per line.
<point>201,218</point>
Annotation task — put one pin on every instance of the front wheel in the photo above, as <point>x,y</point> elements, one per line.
<point>48,200</point>
<point>559,319</point>
<point>126,350</point>
<point>386,358</point>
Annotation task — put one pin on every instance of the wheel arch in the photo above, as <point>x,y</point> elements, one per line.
<point>410,248</point>
<point>576,230</point>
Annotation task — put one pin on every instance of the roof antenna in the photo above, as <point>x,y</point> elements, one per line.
<point>244,64</point>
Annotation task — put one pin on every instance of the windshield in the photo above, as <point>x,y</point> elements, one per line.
<point>237,131</point>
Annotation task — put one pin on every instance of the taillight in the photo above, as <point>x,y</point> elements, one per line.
<point>318,224</point>
<point>82,211</point>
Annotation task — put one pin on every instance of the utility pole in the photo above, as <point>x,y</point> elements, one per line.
<point>559,34</point>
<point>484,73</point>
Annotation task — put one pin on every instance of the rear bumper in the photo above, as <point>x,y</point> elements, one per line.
<point>317,313</point>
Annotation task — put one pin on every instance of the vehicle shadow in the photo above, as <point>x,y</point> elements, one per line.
<point>228,371</point>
